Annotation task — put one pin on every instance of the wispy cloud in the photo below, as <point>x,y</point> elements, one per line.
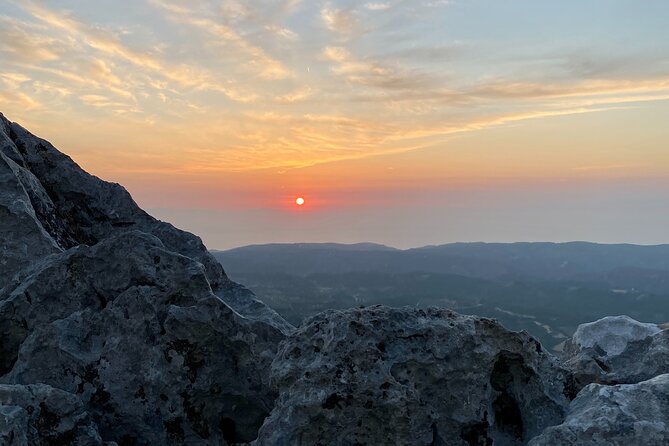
<point>339,20</point>
<point>377,6</point>
<point>251,55</point>
<point>251,84</point>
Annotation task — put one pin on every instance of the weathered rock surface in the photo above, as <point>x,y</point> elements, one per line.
<point>71,207</point>
<point>620,415</point>
<point>404,376</point>
<point>134,330</point>
<point>128,315</point>
<point>617,350</point>
<point>39,414</point>
<point>22,238</point>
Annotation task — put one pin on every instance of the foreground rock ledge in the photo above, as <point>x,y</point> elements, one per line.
<point>421,377</point>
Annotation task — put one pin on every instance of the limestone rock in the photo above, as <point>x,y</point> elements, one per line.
<point>124,313</point>
<point>404,376</point>
<point>620,415</point>
<point>617,350</point>
<point>23,239</point>
<point>134,330</point>
<point>39,414</point>
<point>612,334</point>
<point>74,207</point>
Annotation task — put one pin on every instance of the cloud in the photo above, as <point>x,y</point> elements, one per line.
<point>377,6</point>
<point>606,167</point>
<point>294,96</point>
<point>372,73</point>
<point>252,55</point>
<point>342,21</point>
<point>109,44</point>
<point>294,91</point>
<point>22,100</point>
<point>27,43</point>
<point>282,32</point>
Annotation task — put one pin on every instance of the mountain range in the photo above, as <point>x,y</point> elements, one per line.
<point>547,289</point>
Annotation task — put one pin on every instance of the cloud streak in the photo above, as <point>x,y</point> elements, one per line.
<point>252,85</point>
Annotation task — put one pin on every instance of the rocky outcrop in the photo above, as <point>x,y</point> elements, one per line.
<point>125,314</point>
<point>404,376</point>
<point>628,414</point>
<point>617,350</point>
<point>39,414</point>
<point>61,206</point>
<point>23,239</point>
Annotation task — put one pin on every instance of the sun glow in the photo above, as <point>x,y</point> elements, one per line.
<point>299,201</point>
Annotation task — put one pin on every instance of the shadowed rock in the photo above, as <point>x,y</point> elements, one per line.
<point>39,414</point>
<point>403,376</point>
<point>128,315</point>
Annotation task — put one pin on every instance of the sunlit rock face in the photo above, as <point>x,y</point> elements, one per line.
<point>404,376</point>
<point>124,313</point>
<point>627,414</point>
<point>617,350</point>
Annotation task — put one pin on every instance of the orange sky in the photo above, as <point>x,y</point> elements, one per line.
<point>215,114</point>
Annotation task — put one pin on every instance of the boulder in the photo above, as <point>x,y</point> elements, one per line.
<point>406,376</point>
<point>619,415</point>
<point>617,350</point>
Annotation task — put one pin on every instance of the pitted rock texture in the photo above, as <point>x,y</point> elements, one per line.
<point>617,350</point>
<point>134,330</point>
<point>41,415</point>
<point>123,313</point>
<point>403,376</point>
<point>620,415</point>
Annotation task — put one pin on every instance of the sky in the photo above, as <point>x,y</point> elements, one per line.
<point>400,122</point>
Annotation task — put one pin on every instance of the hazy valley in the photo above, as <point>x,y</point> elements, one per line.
<point>545,288</point>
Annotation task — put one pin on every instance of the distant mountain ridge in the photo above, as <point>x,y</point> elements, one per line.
<point>547,289</point>
<point>543,261</point>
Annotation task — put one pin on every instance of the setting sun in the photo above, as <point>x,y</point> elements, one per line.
<point>299,201</point>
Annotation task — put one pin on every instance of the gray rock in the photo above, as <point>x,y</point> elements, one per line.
<point>135,331</point>
<point>627,414</point>
<point>406,376</point>
<point>617,350</point>
<point>125,313</point>
<point>23,239</point>
<point>612,334</point>
<point>41,415</point>
<point>74,207</point>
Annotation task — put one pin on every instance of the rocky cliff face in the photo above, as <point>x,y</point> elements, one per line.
<point>130,316</point>
<point>119,329</point>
